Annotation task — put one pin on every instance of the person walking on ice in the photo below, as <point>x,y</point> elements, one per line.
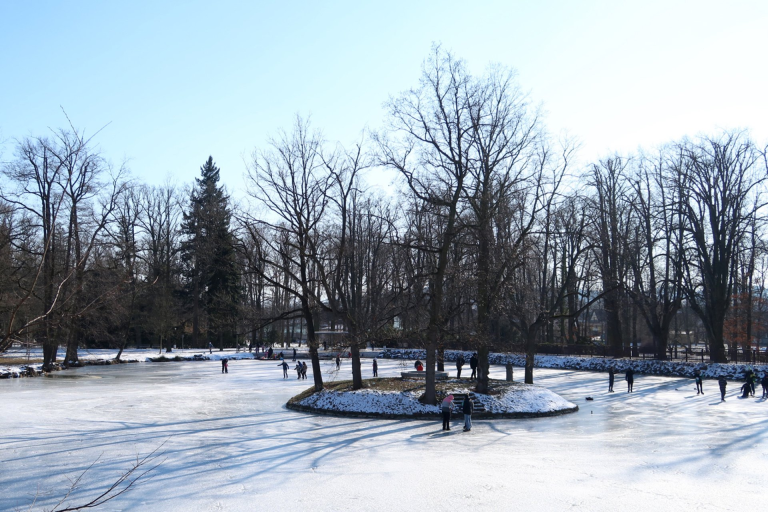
<point>611,378</point>
<point>468,407</point>
<point>764,383</point>
<point>699,382</point>
<point>722,382</point>
<point>630,378</point>
<point>210,347</point>
<point>225,365</point>
<point>338,362</point>
<point>285,368</point>
<point>375,368</point>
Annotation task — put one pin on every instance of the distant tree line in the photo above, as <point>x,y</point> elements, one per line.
<point>494,240</point>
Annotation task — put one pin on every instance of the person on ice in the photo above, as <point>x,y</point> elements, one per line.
<point>459,363</point>
<point>294,354</point>
<point>225,365</point>
<point>699,383</point>
<point>338,361</point>
<point>210,347</point>
<point>722,382</point>
<point>611,378</point>
<point>764,383</point>
<point>285,368</point>
<point>304,370</point>
<point>473,365</point>
<point>445,408</point>
<point>468,407</point>
<point>630,378</point>
<point>746,389</point>
<point>375,368</point>
<point>298,369</point>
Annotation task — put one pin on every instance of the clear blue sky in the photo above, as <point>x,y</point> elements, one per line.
<point>178,81</point>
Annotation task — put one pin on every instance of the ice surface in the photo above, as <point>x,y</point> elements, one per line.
<point>230,444</point>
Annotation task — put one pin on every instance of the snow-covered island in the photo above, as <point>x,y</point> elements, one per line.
<point>395,398</point>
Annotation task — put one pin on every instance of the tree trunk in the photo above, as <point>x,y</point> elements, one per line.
<point>530,354</point>
<point>482,369</point>
<point>357,374</point>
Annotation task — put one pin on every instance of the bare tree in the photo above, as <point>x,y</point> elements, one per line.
<point>291,182</point>
<point>719,186</point>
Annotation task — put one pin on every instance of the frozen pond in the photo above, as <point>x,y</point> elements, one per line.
<point>231,445</point>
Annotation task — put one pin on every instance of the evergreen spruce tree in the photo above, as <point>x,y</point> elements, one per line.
<point>213,284</point>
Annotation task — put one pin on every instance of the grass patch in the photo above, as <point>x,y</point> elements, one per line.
<point>18,361</point>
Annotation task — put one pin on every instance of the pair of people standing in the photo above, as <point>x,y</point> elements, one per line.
<point>468,407</point>
<point>301,370</point>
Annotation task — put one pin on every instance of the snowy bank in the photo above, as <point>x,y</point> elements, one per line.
<point>597,364</point>
<point>510,400</point>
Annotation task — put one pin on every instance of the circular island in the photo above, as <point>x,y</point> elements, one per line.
<point>393,398</point>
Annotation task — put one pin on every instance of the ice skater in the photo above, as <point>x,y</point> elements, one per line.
<point>294,354</point>
<point>285,368</point>
<point>459,363</point>
<point>699,383</point>
<point>298,369</point>
<point>473,365</point>
<point>210,347</point>
<point>338,361</point>
<point>611,378</point>
<point>468,407</point>
<point>375,368</point>
<point>445,407</point>
<point>722,382</point>
<point>225,365</point>
<point>304,370</point>
<point>630,378</point>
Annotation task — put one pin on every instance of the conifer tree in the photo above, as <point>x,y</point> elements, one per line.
<point>208,254</point>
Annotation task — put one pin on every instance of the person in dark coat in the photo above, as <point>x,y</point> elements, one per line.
<point>269,353</point>
<point>473,365</point>
<point>764,383</point>
<point>338,361</point>
<point>294,354</point>
<point>225,365</point>
<point>722,382</point>
<point>468,408</point>
<point>611,378</point>
<point>459,363</point>
<point>630,378</point>
<point>375,368</point>
<point>746,389</point>
<point>210,347</point>
<point>304,370</point>
<point>285,368</point>
<point>699,382</point>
